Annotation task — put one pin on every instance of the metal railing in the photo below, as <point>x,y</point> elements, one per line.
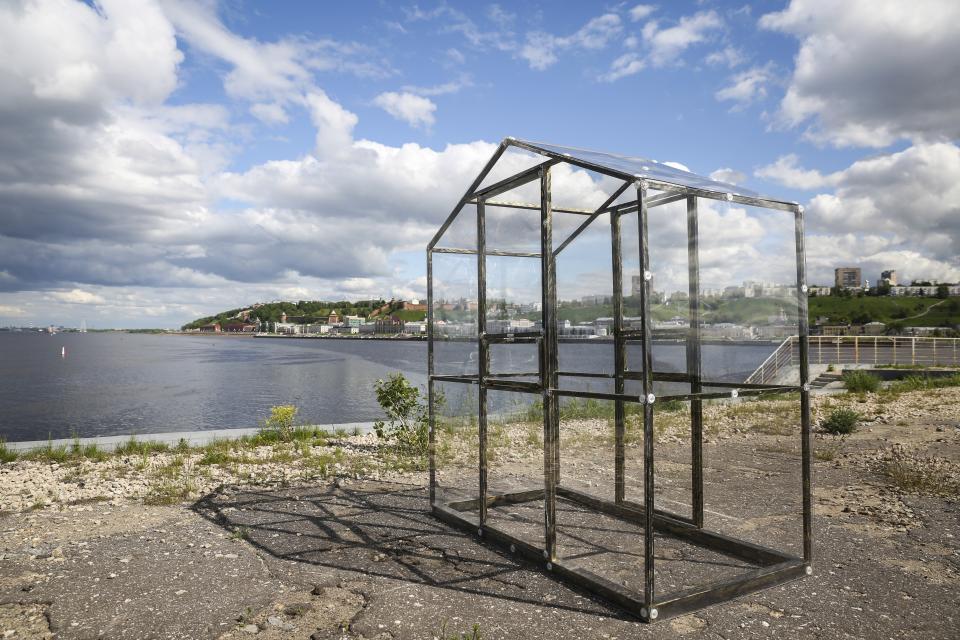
<point>783,356</point>
<point>860,350</point>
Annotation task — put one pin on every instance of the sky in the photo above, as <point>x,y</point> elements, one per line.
<point>161,160</point>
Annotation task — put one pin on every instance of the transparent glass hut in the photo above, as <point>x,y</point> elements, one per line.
<point>618,376</point>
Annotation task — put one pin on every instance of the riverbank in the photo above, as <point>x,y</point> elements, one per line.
<point>333,538</point>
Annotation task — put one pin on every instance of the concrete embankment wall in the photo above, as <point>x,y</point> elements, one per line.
<point>193,438</point>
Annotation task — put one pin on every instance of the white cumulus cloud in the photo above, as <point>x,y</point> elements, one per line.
<point>409,107</point>
<point>870,72</point>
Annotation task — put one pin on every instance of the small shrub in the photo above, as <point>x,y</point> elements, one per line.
<point>859,381</point>
<point>840,422</point>
<point>280,423</point>
<point>407,420</point>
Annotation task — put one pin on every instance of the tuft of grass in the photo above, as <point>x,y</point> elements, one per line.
<point>134,447</point>
<point>48,453</point>
<point>858,381</point>
<point>87,451</point>
<point>826,451</point>
<point>924,475</point>
<point>841,421</point>
<point>472,634</point>
<point>240,533</point>
<point>6,454</point>
<point>170,492</point>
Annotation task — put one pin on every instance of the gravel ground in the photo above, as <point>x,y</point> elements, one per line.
<point>281,546</point>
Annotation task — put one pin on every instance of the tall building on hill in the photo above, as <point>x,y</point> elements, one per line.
<point>889,277</point>
<point>847,277</point>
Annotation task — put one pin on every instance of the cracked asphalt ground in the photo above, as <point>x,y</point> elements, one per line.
<point>366,560</point>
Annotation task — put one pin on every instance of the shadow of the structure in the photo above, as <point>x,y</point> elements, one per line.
<point>384,531</point>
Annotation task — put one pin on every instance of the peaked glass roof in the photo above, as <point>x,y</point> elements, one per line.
<point>633,166</point>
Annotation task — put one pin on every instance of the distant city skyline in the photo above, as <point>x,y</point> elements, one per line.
<point>170,159</point>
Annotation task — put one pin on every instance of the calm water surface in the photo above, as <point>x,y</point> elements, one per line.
<point>116,383</point>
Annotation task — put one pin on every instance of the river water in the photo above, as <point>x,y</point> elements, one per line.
<point>119,383</point>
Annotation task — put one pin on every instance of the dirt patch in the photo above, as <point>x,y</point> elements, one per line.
<point>24,621</point>
<point>324,613</point>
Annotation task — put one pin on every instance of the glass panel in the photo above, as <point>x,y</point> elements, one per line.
<point>457,442</point>
<point>455,314</point>
<point>513,295</point>
<point>584,309</point>
<point>752,475</point>
<point>515,359</point>
<point>749,312</point>
<point>512,229</point>
<point>748,294</point>
<point>513,161</point>
<point>515,464</point>
<point>462,232</point>
<point>576,188</point>
<point>636,166</point>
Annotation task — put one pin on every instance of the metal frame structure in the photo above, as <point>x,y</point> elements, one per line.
<point>771,566</point>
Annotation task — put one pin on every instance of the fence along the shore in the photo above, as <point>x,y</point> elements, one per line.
<point>875,350</point>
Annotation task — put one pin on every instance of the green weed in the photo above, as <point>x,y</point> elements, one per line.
<point>842,421</point>
<point>859,381</point>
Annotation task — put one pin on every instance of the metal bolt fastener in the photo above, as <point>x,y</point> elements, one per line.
<point>653,614</point>
<point>734,393</point>
<point>648,275</point>
<point>549,567</point>
<point>651,398</point>
<point>803,288</point>
<point>513,548</point>
<point>808,570</point>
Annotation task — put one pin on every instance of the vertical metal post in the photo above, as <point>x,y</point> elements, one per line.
<point>647,380</point>
<point>619,356</point>
<point>694,364</point>
<point>805,450</point>
<point>548,368</point>
<point>483,356</point>
<point>431,416</point>
<point>856,349</point>
<point>913,350</point>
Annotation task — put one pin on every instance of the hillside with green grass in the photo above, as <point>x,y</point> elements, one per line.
<point>302,312</point>
<point>905,311</point>
<point>898,312</point>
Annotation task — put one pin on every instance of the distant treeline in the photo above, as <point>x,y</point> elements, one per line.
<point>303,312</point>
